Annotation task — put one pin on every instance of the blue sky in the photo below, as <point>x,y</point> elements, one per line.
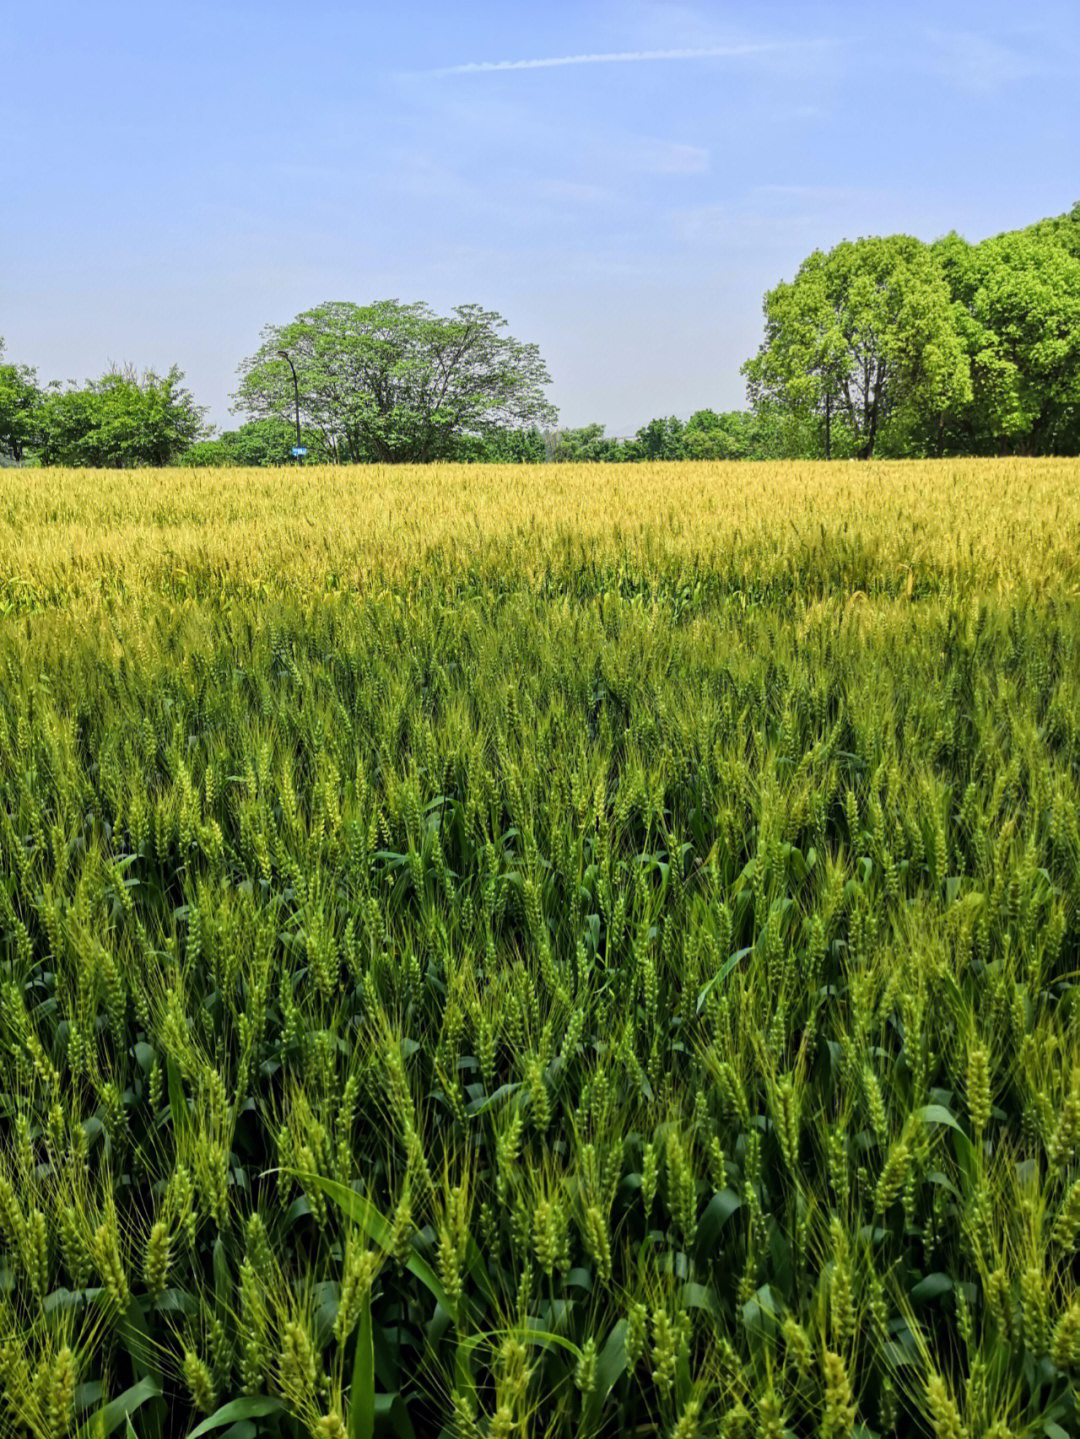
<point>173,177</point>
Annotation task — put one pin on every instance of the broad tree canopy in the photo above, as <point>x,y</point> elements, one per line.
<point>861,333</point>
<point>1020,294</point>
<point>393,382</point>
<point>123,419</point>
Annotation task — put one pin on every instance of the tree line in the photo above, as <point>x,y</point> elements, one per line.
<point>893,347</point>
<point>123,419</point>
<point>883,346</point>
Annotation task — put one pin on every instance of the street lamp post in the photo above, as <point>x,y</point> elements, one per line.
<point>296,391</point>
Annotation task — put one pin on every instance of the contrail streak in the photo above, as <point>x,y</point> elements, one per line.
<point>617,57</point>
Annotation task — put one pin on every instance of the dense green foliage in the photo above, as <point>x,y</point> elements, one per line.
<point>767,433</point>
<point>395,383</point>
<point>119,421</point>
<point>894,346</point>
<point>1019,299</point>
<point>764,434</point>
<point>863,335</point>
<point>252,446</point>
<point>644,1004</point>
<point>732,435</point>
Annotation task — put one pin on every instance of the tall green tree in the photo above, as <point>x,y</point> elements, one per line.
<point>119,421</point>
<point>863,333</point>
<point>1020,294</point>
<point>396,383</point>
<point>761,434</point>
<point>711,436</point>
<point>660,439</point>
<point>584,444</point>
<point>20,399</point>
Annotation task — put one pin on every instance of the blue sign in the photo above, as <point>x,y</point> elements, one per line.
<point>298,450</point>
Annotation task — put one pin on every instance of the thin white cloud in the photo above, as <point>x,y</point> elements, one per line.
<point>979,63</point>
<point>616,57</point>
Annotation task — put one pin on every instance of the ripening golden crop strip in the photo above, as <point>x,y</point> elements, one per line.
<point>997,524</point>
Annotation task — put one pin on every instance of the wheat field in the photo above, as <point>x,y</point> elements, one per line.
<point>812,528</point>
<point>572,950</point>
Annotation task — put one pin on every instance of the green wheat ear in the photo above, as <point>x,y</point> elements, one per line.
<point>570,959</point>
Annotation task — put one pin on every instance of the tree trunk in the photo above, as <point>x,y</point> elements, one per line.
<point>873,412</point>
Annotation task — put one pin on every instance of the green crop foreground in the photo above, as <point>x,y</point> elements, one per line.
<point>618,989</point>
